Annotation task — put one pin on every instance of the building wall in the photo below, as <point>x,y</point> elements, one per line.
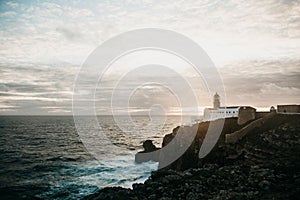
<point>288,108</point>
<point>246,114</point>
<point>213,114</point>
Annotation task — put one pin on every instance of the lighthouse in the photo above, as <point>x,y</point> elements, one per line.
<point>243,113</point>
<point>216,101</point>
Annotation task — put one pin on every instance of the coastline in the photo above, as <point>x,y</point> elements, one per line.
<point>263,165</point>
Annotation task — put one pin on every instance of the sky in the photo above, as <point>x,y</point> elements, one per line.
<point>254,45</point>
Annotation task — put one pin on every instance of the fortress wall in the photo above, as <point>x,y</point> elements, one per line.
<point>288,108</point>
<point>238,135</point>
<point>245,115</point>
<point>260,114</point>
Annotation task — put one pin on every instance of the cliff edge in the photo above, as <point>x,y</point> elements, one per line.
<point>263,164</point>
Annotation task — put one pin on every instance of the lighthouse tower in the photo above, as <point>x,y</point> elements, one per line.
<point>216,101</point>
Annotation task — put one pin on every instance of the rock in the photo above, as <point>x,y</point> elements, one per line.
<point>152,197</point>
<point>265,185</point>
<point>187,174</point>
<point>270,155</point>
<point>149,146</point>
<point>191,196</point>
<point>165,198</point>
<point>137,186</point>
<point>171,179</point>
<point>167,139</point>
<point>143,156</point>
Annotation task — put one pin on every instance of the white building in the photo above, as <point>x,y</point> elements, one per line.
<point>222,112</point>
<point>218,112</point>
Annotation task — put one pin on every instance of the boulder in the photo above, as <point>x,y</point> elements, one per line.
<point>148,154</point>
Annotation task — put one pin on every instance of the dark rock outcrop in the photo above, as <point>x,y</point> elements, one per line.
<point>143,156</point>
<point>149,146</point>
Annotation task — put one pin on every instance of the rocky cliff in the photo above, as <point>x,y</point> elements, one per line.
<point>264,164</point>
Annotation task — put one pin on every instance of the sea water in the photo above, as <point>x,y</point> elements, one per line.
<point>44,156</point>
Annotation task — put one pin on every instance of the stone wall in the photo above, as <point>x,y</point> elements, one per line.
<point>260,114</point>
<point>288,108</point>
<point>246,114</point>
<point>238,135</point>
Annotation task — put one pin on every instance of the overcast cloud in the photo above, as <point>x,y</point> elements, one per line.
<point>254,44</point>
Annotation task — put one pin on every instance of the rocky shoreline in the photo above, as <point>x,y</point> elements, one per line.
<point>265,164</point>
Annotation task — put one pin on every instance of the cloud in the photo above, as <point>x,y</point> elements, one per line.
<point>255,44</point>
<point>274,89</point>
<point>260,83</point>
<point>31,88</point>
<point>227,30</point>
<point>12,4</point>
<point>8,14</point>
<point>69,33</point>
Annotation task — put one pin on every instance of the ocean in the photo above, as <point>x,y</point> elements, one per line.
<point>44,157</point>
